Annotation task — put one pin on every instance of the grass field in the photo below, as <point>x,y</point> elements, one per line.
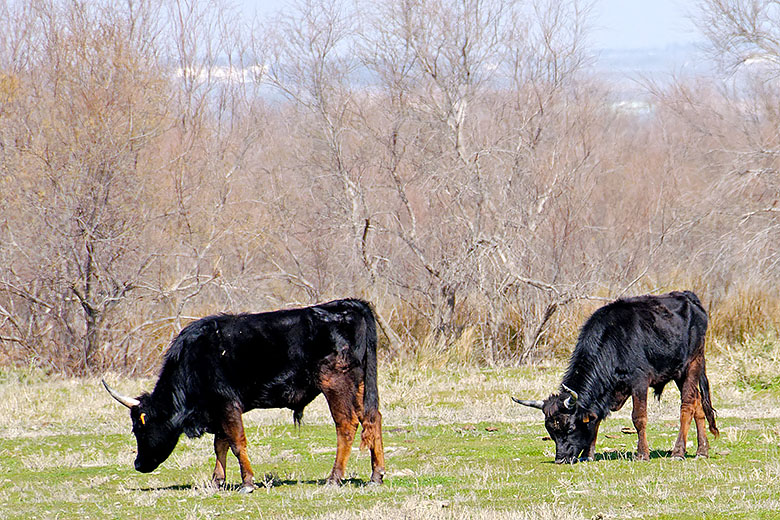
<point>456,448</point>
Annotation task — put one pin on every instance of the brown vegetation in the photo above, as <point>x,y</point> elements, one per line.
<point>457,164</point>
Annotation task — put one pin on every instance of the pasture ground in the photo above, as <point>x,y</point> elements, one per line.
<point>456,448</point>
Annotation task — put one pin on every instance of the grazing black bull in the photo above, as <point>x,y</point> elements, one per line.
<point>221,366</point>
<point>623,349</point>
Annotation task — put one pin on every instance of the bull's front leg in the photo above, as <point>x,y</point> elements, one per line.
<point>221,446</point>
<point>233,427</point>
<point>591,454</point>
<point>639,417</point>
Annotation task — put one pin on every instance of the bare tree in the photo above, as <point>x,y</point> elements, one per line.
<point>744,38</point>
<point>455,162</point>
<point>449,72</point>
<point>85,138</point>
<point>741,33</point>
<point>312,65</point>
<point>75,141</point>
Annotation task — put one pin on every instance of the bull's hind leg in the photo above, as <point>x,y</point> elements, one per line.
<point>686,414</point>
<point>221,446</point>
<point>371,438</point>
<point>341,394</point>
<point>689,395</point>
<point>233,427</point>
<point>703,446</point>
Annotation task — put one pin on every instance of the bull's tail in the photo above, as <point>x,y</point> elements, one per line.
<point>706,402</point>
<point>372,419</point>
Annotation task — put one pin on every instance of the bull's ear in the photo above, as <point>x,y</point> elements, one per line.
<point>589,417</point>
<point>532,404</point>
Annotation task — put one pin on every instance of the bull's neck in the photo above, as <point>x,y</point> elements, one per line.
<point>168,402</point>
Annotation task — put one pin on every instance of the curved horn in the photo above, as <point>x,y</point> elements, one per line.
<point>568,403</point>
<point>127,401</point>
<point>532,404</point>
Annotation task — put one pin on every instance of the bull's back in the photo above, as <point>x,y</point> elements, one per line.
<point>654,334</point>
<point>273,359</point>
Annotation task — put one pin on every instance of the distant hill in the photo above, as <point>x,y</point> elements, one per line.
<point>673,58</point>
<point>623,67</point>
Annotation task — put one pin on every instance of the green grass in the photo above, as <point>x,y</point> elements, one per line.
<point>456,448</point>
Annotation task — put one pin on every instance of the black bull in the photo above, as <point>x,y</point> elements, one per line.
<point>221,366</point>
<point>623,349</point>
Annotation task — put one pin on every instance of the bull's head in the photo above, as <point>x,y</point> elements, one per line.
<point>573,430</point>
<point>154,434</point>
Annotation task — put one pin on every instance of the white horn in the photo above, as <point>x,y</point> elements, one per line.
<point>568,403</point>
<point>532,404</point>
<point>127,401</point>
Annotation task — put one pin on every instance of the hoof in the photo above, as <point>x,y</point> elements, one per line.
<point>641,456</point>
<point>702,456</point>
<point>333,482</point>
<point>247,488</point>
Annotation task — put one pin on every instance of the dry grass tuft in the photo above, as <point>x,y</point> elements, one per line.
<point>743,314</point>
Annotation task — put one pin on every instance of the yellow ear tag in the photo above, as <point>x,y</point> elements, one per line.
<point>584,419</point>
<point>143,419</point>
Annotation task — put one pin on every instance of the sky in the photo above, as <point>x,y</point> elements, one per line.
<point>618,24</point>
<point>643,24</point>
